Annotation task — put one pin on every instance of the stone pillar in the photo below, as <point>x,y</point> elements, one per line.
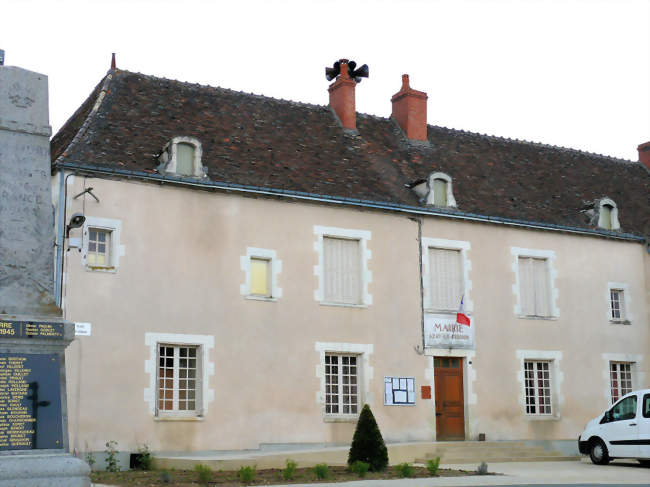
<point>33,335</point>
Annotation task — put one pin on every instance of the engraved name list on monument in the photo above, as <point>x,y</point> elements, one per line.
<point>28,403</point>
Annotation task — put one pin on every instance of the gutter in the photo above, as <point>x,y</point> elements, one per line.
<point>341,200</point>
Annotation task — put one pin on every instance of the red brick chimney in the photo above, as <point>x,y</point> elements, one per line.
<point>342,97</point>
<point>410,110</point>
<point>644,154</point>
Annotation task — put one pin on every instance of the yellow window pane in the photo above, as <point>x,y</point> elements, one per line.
<point>101,259</point>
<point>91,259</point>
<point>260,277</point>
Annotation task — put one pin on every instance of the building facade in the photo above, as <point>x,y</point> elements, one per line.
<point>253,271</point>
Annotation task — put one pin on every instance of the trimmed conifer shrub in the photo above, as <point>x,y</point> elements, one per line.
<point>368,444</point>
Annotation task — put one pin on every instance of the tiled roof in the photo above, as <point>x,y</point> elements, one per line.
<point>255,140</point>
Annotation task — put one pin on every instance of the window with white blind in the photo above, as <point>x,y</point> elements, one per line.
<point>537,387</point>
<point>185,159</point>
<point>534,287</point>
<point>178,380</point>
<point>446,278</point>
<point>101,249</point>
<point>341,384</point>
<point>620,374</point>
<point>342,270</point>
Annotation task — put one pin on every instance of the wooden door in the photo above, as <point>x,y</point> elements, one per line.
<point>450,406</point>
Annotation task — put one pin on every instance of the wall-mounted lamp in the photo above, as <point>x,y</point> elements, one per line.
<point>76,220</point>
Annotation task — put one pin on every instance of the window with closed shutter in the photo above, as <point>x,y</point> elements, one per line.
<point>534,287</point>
<point>440,192</point>
<point>342,266</point>
<point>446,274</point>
<point>185,159</point>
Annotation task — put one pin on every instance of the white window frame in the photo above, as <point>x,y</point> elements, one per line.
<point>619,390</point>
<point>451,201</point>
<point>549,256</point>
<point>114,227</point>
<point>363,236</point>
<point>169,156</point>
<point>205,343</point>
<point>364,371</point>
<point>275,268</point>
<point>556,378</point>
<point>613,215</point>
<point>626,318</point>
<point>197,411</point>
<point>438,243</point>
<point>638,376</point>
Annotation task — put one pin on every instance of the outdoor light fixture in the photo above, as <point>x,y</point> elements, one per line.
<point>76,220</point>
<point>355,74</point>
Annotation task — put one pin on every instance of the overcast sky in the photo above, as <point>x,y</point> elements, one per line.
<point>574,73</point>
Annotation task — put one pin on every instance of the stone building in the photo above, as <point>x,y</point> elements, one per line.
<point>255,270</point>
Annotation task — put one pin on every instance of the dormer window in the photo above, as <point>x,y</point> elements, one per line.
<point>439,192</point>
<point>182,156</point>
<point>608,215</point>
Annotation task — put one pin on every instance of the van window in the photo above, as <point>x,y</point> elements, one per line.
<point>626,409</point>
<point>646,406</point>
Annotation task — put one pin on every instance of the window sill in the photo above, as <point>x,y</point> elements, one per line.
<point>178,418</point>
<point>620,322</point>
<point>543,318</point>
<point>343,305</point>
<point>261,298</point>
<point>110,269</point>
<point>353,418</point>
<point>542,417</point>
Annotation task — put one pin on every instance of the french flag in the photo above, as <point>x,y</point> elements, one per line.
<point>461,317</point>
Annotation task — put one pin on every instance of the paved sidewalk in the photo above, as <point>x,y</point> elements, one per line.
<point>520,473</point>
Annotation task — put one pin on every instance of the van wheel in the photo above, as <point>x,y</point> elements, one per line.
<point>598,452</point>
<point>645,463</point>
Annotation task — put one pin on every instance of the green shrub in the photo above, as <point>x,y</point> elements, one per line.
<point>143,458</point>
<point>432,466</point>
<point>360,468</point>
<point>322,471</point>
<point>404,470</point>
<point>247,474</point>
<point>204,474</point>
<point>165,477</point>
<point>90,459</point>
<point>112,462</point>
<point>289,472</point>
<point>367,443</point>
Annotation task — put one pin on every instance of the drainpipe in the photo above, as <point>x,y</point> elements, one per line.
<point>59,239</point>
<point>60,234</point>
<point>419,222</point>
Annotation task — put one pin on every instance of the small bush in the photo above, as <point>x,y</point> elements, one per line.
<point>90,459</point>
<point>247,474</point>
<point>204,474</point>
<point>367,443</point>
<point>165,477</point>
<point>289,472</point>
<point>112,462</point>
<point>432,466</point>
<point>482,469</point>
<point>405,470</point>
<point>360,468</point>
<point>322,471</point>
<point>143,459</point>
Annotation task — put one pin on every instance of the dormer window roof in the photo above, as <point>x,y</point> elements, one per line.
<point>182,156</point>
<point>608,215</point>
<point>436,190</point>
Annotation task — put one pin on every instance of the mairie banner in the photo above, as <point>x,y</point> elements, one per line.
<point>443,331</point>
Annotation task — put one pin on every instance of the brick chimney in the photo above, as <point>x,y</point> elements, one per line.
<point>410,110</point>
<point>644,154</point>
<point>342,97</point>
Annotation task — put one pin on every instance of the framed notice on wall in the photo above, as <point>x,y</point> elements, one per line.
<point>399,391</point>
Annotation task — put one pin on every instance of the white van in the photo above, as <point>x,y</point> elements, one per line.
<point>623,431</point>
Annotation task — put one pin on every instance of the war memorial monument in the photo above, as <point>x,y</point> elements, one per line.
<point>33,334</point>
